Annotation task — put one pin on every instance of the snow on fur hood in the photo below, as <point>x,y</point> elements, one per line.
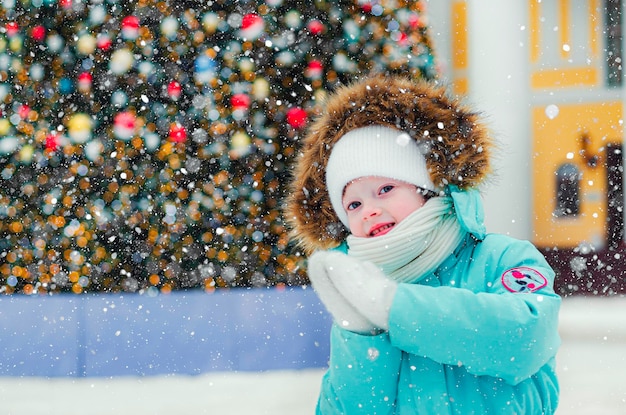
<point>455,141</point>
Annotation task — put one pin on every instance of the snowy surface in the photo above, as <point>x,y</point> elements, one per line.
<point>592,367</point>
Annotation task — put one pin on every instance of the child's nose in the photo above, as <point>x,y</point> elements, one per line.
<point>371,211</point>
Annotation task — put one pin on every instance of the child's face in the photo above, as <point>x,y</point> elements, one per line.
<point>375,205</point>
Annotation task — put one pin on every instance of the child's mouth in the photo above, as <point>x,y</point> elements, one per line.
<point>381,230</point>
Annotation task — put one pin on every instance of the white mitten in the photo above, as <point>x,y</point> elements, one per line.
<point>346,316</point>
<point>364,285</point>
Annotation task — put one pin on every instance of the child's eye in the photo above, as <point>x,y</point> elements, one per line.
<point>353,205</point>
<point>386,189</point>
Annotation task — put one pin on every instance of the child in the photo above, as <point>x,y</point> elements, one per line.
<point>431,314</point>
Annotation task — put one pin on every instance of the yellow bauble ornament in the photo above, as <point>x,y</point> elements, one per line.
<point>5,126</point>
<point>79,127</point>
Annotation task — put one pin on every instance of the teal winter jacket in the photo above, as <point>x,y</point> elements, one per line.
<point>477,336</point>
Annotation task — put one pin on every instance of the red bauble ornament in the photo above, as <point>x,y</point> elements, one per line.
<point>178,133</point>
<point>38,33</point>
<point>130,27</point>
<point>52,142</point>
<point>316,27</point>
<point>174,90</point>
<point>12,29</point>
<point>240,101</point>
<point>104,42</point>
<point>297,117</point>
<point>403,39</point>
<point>252,26</point>
<point>124,125</point>
<point>314,69</point>
<point>23,111</point>
<point>85,79</point>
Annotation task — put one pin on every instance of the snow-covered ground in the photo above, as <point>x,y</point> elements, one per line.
<point>592,366</point>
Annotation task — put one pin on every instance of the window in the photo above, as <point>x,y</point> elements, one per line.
<point>613,36</point>
<point>568,178</point>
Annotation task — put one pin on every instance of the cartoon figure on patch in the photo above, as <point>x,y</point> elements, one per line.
<point>523,280</point>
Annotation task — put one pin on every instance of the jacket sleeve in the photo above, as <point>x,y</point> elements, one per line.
<point>496,333</point>
<point>362,376</point>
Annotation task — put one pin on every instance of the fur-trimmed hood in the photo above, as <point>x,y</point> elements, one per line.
<point>456,143</point>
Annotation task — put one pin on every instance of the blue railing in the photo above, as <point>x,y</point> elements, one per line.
<point>185,332</point>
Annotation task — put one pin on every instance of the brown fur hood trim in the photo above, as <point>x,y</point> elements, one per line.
<point>456,143</point>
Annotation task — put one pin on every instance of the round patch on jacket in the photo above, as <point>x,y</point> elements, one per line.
<point>523,280</point>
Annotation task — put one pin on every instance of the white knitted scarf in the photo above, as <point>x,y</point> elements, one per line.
<point>416,246</point>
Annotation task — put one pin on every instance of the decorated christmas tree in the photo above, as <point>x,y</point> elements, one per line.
<point>144,145</point>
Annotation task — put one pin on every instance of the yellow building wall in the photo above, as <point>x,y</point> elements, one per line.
<point>458,36</point>
<point>566,72</point>
<point>557,140</point>
<point>565,45</point>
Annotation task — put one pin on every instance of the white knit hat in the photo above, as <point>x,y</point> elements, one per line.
<point>374,151</point>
